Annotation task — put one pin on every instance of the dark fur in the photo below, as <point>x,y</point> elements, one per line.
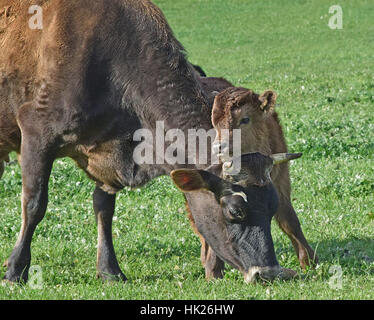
<point>200,71</point>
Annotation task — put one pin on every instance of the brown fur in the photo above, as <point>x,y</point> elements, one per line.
<point>98,71</point>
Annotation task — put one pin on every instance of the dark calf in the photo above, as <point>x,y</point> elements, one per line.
<point>240,233</point>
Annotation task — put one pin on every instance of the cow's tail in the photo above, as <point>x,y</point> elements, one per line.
<point>1,168</point>
<point>2,165</point>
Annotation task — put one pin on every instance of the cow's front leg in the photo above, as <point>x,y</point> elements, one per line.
<point>36,165</point>
<point>107,264</point>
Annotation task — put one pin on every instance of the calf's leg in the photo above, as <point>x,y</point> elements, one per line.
<point>36,167</point>
<point>289,223</point>
<point>107,264</point>
<point>214,266</point>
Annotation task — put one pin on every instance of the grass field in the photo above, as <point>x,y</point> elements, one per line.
<point>325,82</point>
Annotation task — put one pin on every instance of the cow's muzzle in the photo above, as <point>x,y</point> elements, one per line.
<point>269,274</point>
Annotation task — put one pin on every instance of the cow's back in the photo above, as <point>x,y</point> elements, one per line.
<point>35,61</point>
<point>81,45</point>
<point>91,60</point>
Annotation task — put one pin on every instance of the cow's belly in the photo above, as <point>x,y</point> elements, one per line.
<point>10,135</point>
<point>111,165</point>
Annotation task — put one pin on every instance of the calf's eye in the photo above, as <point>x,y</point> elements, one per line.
<point>245,121</point>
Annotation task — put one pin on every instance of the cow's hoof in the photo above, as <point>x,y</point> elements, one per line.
<point>14,279</point>
<point>10,284</point>
<point>214,274</point>
<point>107,277</point>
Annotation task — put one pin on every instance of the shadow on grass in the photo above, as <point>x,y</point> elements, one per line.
<point>350,253</point>
<point>354,255</point>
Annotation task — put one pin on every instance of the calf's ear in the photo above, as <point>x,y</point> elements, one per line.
<point>188,180</point>
<point>268,100</point>
<point>218,110</point>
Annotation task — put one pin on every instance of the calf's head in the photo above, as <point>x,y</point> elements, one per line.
<point>235,221</point>
<point>240,108</point>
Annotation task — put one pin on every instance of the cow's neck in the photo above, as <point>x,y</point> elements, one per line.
<point>179,103</point>
<point>176,102</point>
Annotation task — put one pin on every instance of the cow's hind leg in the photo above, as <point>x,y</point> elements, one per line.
<point>289,223</point>
<point>107,264</point>
<point>36,167</point>
<point>3,159</point>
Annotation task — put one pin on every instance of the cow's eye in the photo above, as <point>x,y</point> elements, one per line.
<point>237,213</point>
<point>245,121</point>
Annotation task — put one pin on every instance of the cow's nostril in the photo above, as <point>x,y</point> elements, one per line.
<point>252,275</point>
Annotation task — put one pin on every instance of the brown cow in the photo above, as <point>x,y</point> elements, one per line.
<point>240,108</point>
<point>81,87</point>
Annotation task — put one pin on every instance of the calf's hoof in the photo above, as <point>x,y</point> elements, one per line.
<point>308,259</point>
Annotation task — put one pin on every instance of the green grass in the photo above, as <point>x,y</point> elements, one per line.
<point>325,83</point>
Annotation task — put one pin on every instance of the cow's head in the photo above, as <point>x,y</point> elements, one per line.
<point>240,108</point>
<point>236,221</point>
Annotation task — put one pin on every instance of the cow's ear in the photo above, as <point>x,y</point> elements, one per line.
<point>189,180</point>
<point>267,101</point>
